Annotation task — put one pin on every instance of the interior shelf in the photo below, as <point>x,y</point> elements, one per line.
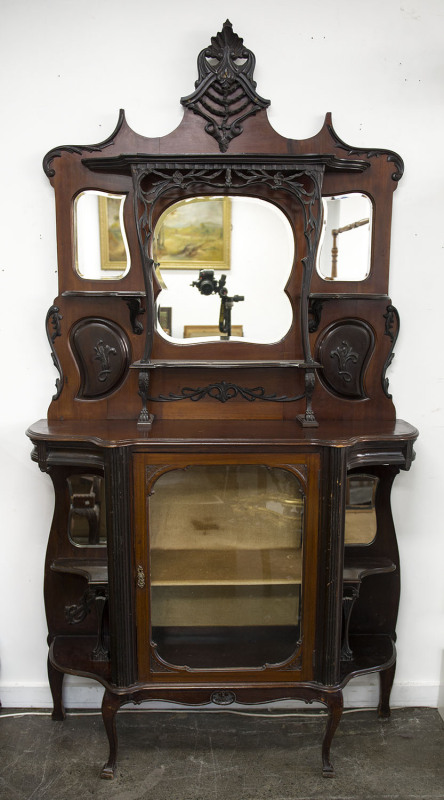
<point>225,567</point>
<point>231,647</point>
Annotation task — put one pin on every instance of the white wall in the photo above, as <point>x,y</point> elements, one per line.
<point>67,67</point>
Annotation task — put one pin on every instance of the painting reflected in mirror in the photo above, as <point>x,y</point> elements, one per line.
<point>241,297</point>
<point>101,246</point>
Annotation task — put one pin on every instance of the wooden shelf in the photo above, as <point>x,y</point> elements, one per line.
<point>370,653</point>
<point>231,647</point>
<point>355,570</point>
<point>93,571</point>
<point>72,654</point>
<point>211,364</point>
<point>225,567</point>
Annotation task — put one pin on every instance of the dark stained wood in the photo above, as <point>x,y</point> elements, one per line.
<point>221,403</point>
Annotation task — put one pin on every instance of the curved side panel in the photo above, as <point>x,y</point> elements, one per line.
<point>102,353</point>
<point>344,352</point>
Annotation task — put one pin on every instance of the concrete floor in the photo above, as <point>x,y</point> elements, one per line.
<point>216,756</point>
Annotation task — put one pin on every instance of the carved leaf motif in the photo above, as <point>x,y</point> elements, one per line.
<point>102,353</point>
<point>344,351</point>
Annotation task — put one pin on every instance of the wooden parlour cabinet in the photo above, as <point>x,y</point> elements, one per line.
<point>222,440</point>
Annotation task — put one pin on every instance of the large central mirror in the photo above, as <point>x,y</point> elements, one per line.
<point>223,264</point>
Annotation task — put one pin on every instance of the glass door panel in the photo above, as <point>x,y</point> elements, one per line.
<point>226,565</point>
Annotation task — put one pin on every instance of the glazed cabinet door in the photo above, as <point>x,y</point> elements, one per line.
<point>226,566</point>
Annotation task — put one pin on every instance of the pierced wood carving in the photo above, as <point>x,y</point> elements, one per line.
<point>223,392</point>
<point>225,92</point>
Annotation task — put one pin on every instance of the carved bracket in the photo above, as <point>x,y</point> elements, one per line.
<point>135,309</point>
<point>77,612</point>
<point>315,307</point>
<point>54,317</point>
<point>391,321</point>
<point>351,594</point>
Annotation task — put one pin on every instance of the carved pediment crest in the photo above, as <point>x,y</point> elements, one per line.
<point>225,92</point>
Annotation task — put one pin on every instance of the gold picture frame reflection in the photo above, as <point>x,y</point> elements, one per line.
<point>112,246</point>
<point>194,233</point>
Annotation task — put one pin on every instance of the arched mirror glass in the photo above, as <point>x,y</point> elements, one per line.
<point>223,264</point>
<point>345,249</point>
<point>101,247</point>
<point>360,512</point>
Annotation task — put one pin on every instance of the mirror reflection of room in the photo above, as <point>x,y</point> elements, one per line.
<point>360,513</point>
<point>253,261</point>
<point>102,251</point>
<point>86,517</point>
<point>345,249</point>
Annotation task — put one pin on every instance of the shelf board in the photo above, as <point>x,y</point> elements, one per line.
<point>355,570</point>
<point>209,364</point>
<point>95,571</point>
<point>225,567</point>
<point>371,653</point>
<point>72,654</point>
<point>231,647</point>
<point>122,163</point>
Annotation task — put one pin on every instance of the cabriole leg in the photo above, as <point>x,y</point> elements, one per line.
<point>386,679</point>
<point>55,678</point>
<point>110,706</point>
<point>335,704</point>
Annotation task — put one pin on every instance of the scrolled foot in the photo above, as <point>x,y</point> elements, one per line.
<point>328,770</point>
<point>334,702</point>
<point>110,705</point>
<point>108,772</point>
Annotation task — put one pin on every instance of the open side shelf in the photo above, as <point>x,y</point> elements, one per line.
<point>73,654</point>
<point>371,653</point>
<point>94,571</point>
<point>355,571</point>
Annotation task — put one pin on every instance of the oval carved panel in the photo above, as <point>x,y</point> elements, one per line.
<point>102,354</point>
<point>344,351</point>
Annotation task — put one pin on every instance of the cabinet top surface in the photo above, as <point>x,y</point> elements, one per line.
<point>180,433</point>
